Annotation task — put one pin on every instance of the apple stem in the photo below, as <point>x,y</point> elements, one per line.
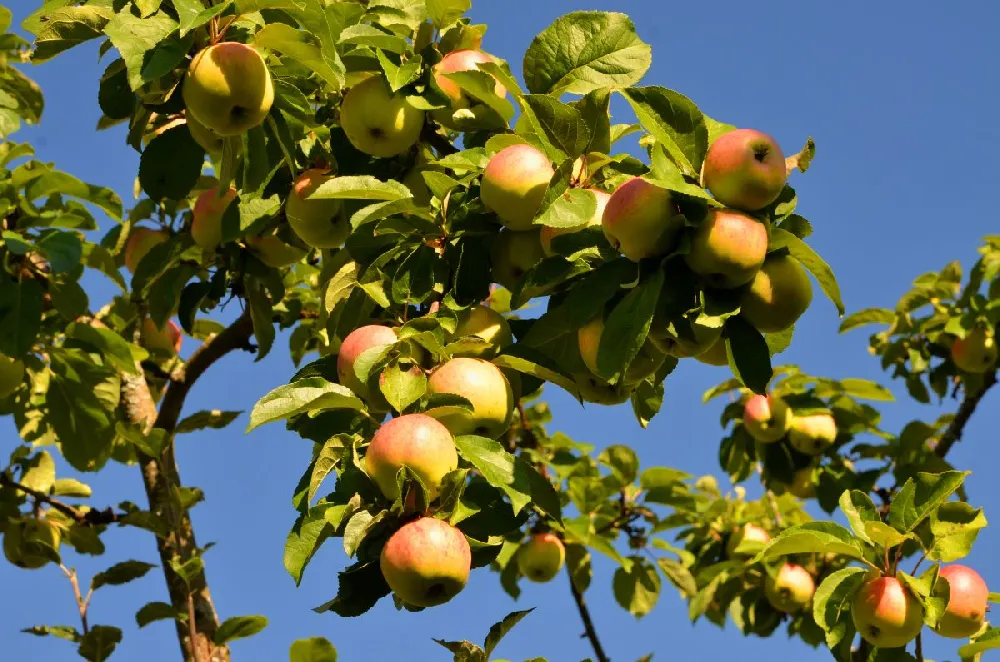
<point>920,649</point>
<point>588,623</point>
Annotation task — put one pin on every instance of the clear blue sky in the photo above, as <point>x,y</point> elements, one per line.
<point>900,98</point>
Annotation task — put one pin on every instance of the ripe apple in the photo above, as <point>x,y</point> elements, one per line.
<point>727,248</point>
<point>976,353</point>
<point>11,375</point>
<point>963,617</point>
<point>272,251</point>
<point>778,295</point>
<point>140,243</point>
<point>886,614</point>
<point>228,88</point>
<point>548,233</point>
<point>487,324</point>
<point>206,226</point>
<point>791,589</point>
<point>209,140</point>
<point>542,557</point>
<point>378,122</point>
<point>481,383</point>
<point>766,418</point>
<point>317,222</point>
<point>461,60</point>
<point>416,441</point>
<point>426,562</point>
<point>513,254</point>
<point>747,541</point>
<point>514,183</point>
<point>28,544</point>
<point>744,169</point>
<point>166,340</point>
<point>356,343</point>
<point>641,220</point>
<point>812,434</point>
<point>715,355</point>
<point>703,339</point>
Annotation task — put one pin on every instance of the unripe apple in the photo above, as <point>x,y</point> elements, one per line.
<point>976,353</point>
<point>513,254</point>
<point>356,343</point>
<point>791,590</point>
<point>426,562</point>
<point>812,434</point>
<point>514,183</point>
<point>641,220</point>
<point>644,364</point>
<point>766,418</point>
<point>747,541</point>
<point>803,483</point>
<point>274,252</point>
<point>548,233</point>
<point>967,600</point>
<point>595,390</point>
<point>588,338</point>
<point>744,169</point>
<point>715,355</point>
<point>487,324</point>
<point>11,375</point>
<point>416,441</point>
<point>317,222</point>
<point>209,208</point>
<point>481,383</point>
<point>542,557</point>
<point>209,140</point>
<point>166,340</point>
<point>27,544</point>
<point>673,344</point>
<point>378,122</point>
<point>727,248</point>
<point>886,614</point>
<point>228,88</point>
<point>140,242</point>
<point>778,295</point>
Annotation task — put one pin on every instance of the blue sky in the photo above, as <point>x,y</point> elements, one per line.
<point>900,100</point>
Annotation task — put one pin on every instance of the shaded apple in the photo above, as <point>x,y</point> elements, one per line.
<point>228,88</point>
<point>886,614</point>
<point>273,251</point>
<point>486,324</point>
<point>209,140</point>
<point>548,233</point>
<point>166,340</point>
<point>416,441</point>
<point>597,391</point>
<point>588,339</point>
<point>513,254</point>
<point>354,345</point>
<point>426,562</point>
<point>976,353</point>
<point>766,418</point>
<point>791,590</point>
<point>967,600</point>
<point>778,295</point>
<point>803,483</point>
<point>727,248</point>
<point>514,183</point>
<point>744,169</point>
<point>206,224</point>
<point>697,339</point>
<point>140,242</point>
<point>641,220</point>
<point>318,222</point>
<point>747,541</point>
<point>11,375</point>
<point>378,122</point>
<point>715,355</point>
<point>484,385</point>
<point>542,557</point>
<point>813,433</point>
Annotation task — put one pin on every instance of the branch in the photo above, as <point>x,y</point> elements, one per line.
<point>437,141</point>
<point>88,518</point>
<point>965,411</point>
<point>588,624</point>
<point>81,602</point>
<point>920,649</point>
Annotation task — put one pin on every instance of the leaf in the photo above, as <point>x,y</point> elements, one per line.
<point>465,651</point>
<point>952,530</point>
<point>135,37</point>
<point>518,479</point>
<point>215,419</point>
<point>239,627</point>
<point>120,573</point>
<point>989,640</point>
<point>39,473</point>
<point>20,315</point>
<point>627,326</point>
<point>920,496</point>
<point>193,14</point>
<point>748,354</point>
<point>826,537</point>
<point>63,249</point>
<point>70,487</point>
<point>573,208</point>
<point>170,165</point>
<point>402,388</point>
<point>801,160</point>
<point>811,260</point>
<point>329,456</point>
<point>679,576</point>
<point>560,125</point>
<point>360,187</point>
<point>360,587</point>
<point>638,588</point>
<point>623,461</point>
<point>305,537</point>
<point>860,510</point>
<point>115,349</point>
<point>499,630</point>
<point>530,361</point>
<point>310,394</point>
<point>831,599</point>
<point>676,123</point>
<point>313,649</point>
<point>65,184</point>
<point>297,45</point>
<point>864,389</point>
<point>80,404</point>
<point>60,631</point>
<point>99,643</point>
<point>154,611</point>
<point>67,27</point>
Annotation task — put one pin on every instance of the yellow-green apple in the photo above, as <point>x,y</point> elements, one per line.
<point>209,140</point>
<point>599,392</point>
<point>813,433</point>
<point>460,60</point>
<point>967,599</point>
<point>646,362</point>
<point>482,384</point>
<point>715,355</point>
<point>488,325</point>
<point>513,254</point>
<point>272,251</point>
<point>228,88</point>
<point>206,224</point>
<point>641,220</point>
<point>166,340</point>
<point>778,295</point>
<point>976,352</point>
<point>140,242</point>
<point>318,222</point>
<point>378,122</point>
<point>727,248</point>
<point>542,557</point>
<point>549,233</point>
<point>766,417</point>
<point>747,541</point>
<point>588,339</point>
<point>514,183</point>
<point>701,339</point>
<point>354,345</point>
<point>416,441</point>
<point>11,375</point>
<point>803,483</point>
<point>791,589</point>
<point>886,614</point>
<point>744,169</point>
<point>29,544</point>
<point>426,562</point>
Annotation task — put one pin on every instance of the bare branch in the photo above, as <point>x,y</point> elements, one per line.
<point>588,623</point>
<point>81,602</point>
<point>965,411</point>
<point>85,518</point>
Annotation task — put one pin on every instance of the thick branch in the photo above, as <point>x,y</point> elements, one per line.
<point>588,623</point>
<point>962,416</point>
<point>85,518</point>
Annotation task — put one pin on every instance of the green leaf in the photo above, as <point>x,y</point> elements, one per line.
<point>989,640</point>
<point>465,651</point>
<point>171,165</point>
<point>400,76</point>
<point>860,510</point>
<point>298,45</point>
<point>679,576</point>
<point>189,570</point>
<point>932,594</point>
<point>884,535</point>
<point>638,588</point>
<point>574,208</point>
<point>80,406</point>
<point>115,349</point>
<point>499,630</point>
<point>920,496</point>
<point>120,573</point>
<point>313,649</point>
<point>518,479</point>
<point>627,326</point>
<point>154,611</point>
<point>99,643</point>
<point>193,14</point>
<point>826,537</point>
<point>402,388</point>
<point>137,39</point>
<point>864,389</point>
<point>310,394</point>
<point>66,27</point>
<point>70,487</point>
<point>39,473</point>
<point>20,315</point>
<point>951,532</point>
<point>329,456</point>
<point>748,353</point>
<point>214,419</point>
<point>811,260</point>
<point>831,600</point>
<point>560,125</point>
<point>579,566</point>
<point>360,587</point>
<point>530,361</point>
<point>239,627</point>
<point>305,537</point>
<point>63,249</point>
<point>59,631</point>
<point>59,182</point>
<point>623,461</point>
<point>867,316</point>
<point>676,123</point>
<point>261,312</point>
<point>360,187</point>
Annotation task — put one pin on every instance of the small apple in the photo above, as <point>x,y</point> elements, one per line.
<point>803,483</point>
<point>641,220</point>
<point>354,345</point>
<point>166,340</point>
<point>209,140</point>
<point>426,562</point>
<point>481,383</point>
<point>488,325</point>
<point>416,441</point>
<point>542,557</point>
<point>791,590</point>
<point>967,600</point>
<point>747,541</point>
<point>886,614</point>
<point>209,208</point>
<point>31,544</point>
<point>11,375</point>
<point>727,248</point>
<point>378,122</point>
<point>228,88</point>
<point>272,251</point>
<point>595,390</point>
<point>778,295</point>
<point>744,169</point>
<point>715,355</point>
<point>766,418</point>
<point>644,364</point>
<point>588,338</point>
<point>140,242</point>
<point>514,182</point>
<point>813,433</point>
<point>548,233</point>
<point>513,254</point>
<point>317,222</point>
<point>461,60</point>
<point>976,353</point>
<point>701,339</point>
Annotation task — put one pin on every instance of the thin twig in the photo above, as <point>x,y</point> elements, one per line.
<point>588,623</point>
<point>81,602</point>
<point>965,411</point>
<point>88,518</point>
<point>920,649</point>
<point>917,567</point>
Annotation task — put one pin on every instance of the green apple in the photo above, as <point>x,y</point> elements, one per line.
<point>791,590</point>
<point>696,339</point>
<point>747,541</point>
<point>588,339</point>
<point>272,251</point>
<point>416,441</point>
<point>778,295</point>
<point>766,418</point>
<point>727,248</point>
<point>140,242</point>
<point>595,390</point>
<point>967,602</point>
<point>641,220</point>
<point>976,353</point>
<point>644,364</point>
<point>481,383</point>
<point>513,254</point>
<point>812,434</point>
<point>542,557</point>
<point>166,340</point>
<point>744,169</point>
<point>715,355</point>
<point>318,222</point>
<point>488,325</point>
<point>514,183</point>
<point>228,88</point>
<point>11,375</point>
<point>209,208</point>
<point>378,122</point>
<point>426,562</point>
<point>354,345</point>
<point>548,233</point>
<point>886,614</point>
<point>803,483</point>
<point>209,140</point>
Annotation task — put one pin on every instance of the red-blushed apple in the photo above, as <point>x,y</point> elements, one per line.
<point>513,254</point>
<point>206,224</point>
<point>791,590</point>
<point>766,418</point>
<point>727,249</point>
<point>514,183</point>
<point>541,558</point>
<point>228,88</point>
<point>167,340</point>
<point>641,220</point>
<point>378,122</point>
<point>489,326</point>
<point>318,222</point>
<point>778,295</point>
<point>461,60</point>
<point>813,433</point>
<point>354,345</point>
<point>967,600</point>
<point>140,242</point>
<point>416,441</point>
<point>976,353</point>
<point>548,233</point>
<point>747,541</point>
<point>426,562</point>
<point>481,383</point>
<point>11,375</point>
<point>886,614</point>
<point>744,169</point>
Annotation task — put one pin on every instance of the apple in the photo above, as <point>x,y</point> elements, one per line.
<point>354,345</point>
<point>588,338</point>
<point>548,233</point>
<point>209,140</point>
<point>29,544</point>
<point>791,590</point>
<point>166,340</point>
<point>886,614</point>
<point>715,355</point>
<point>766,418</point>
<point>727,248</point>
<point>513,254</point>
<point>460,60</point>
<point>595,390</point>
<point>228,88</point>
<point>976,353</point>
<point>701,339</point>
<point>747,541</point>
<point>317,222</point>
<point>488,325</point>
<point>206,226</point>
<point>542,557</point>
<point>416,441</point>
<point>803,483</point>
<point>378,122</point>
<point>11,375</point>
<point>967,600</point>
<point>272,251</point>
<point>744,169</point>
<point>641,220</point>
<point>426,562</point>
<point>812,434</point>
<point>481,383</point>
<point>514,182</point>
<point>778,295</point>
<point>140,242</point>
<point>644,364</point>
